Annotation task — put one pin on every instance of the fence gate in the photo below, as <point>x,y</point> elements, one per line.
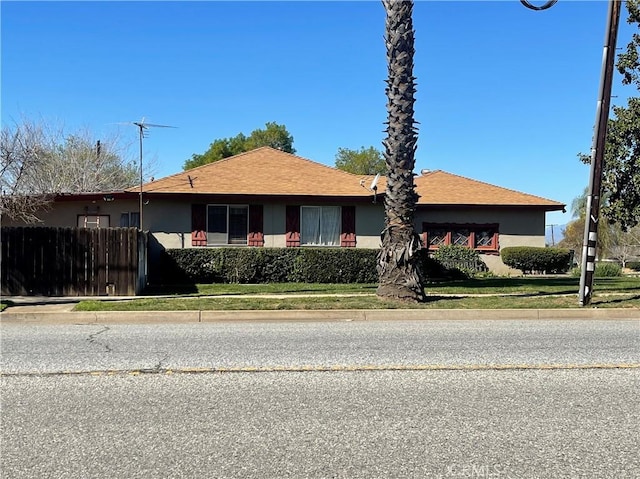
<point>73,261</point>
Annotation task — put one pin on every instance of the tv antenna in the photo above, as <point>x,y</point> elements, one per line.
<point>142,126</point>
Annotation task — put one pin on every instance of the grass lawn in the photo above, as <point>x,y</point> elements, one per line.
<point>487,293</point>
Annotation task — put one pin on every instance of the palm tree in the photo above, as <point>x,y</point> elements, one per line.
<point>399,274</point>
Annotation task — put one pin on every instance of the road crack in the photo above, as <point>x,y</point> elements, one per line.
<point>92,339</point>
<point>159,369</point>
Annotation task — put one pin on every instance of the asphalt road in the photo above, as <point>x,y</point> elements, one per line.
<point>499,399</point>
<point>51,349</point>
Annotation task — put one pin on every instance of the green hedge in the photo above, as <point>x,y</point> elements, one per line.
<point>530,259</point>
<point>300,265</point>
<point>268,265</point>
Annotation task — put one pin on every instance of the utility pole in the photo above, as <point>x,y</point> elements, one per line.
<point>589,243</point>
<point>553,239</point>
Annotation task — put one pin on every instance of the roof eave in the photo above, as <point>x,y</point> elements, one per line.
<point>556,207</point>
<point>263,197</point>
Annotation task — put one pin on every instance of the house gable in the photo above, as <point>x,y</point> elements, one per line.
<point>262,172</point>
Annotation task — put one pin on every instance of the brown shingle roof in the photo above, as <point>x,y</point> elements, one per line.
<point>270,172</point>
<point>442,188</point>
<point>263,171</point>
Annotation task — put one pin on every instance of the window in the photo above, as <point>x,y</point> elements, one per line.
<point>320,225</point>
<point>438,237</point>
<point>461,237</point>
<point>479,237</point>
<point>93,221</point>
<point>130,219</point>
<point>227,224</point>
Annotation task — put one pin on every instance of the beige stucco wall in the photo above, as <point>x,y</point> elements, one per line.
<point>170,223</point>
<point>516,228</point>
<point>65,214</point>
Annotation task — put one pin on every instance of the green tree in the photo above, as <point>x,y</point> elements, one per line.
<point>366,161</point>
<point>273,135</point>
<point>629,61</point>
<point>398,269</point>
<point>621,170</point>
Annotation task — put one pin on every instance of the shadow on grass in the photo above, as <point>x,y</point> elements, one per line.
<point>232,289</point>
<point>525,281</point>
<point>616,300</point>
<point>170,289</point>
<point>630,284</point>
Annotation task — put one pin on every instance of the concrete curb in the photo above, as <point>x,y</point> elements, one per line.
<point>158,317</point>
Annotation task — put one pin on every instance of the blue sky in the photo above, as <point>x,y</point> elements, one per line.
<point>505,95</point>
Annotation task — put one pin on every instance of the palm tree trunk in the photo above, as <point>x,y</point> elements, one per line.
<point>399,273</point>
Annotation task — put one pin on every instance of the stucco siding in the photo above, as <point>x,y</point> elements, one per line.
<point>170,222</point>
<point>65,214</point>
<point>514,222</point>
<point>516,227</point>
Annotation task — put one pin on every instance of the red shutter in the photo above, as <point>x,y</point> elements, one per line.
<point>348,234</point>
<point>198,225</point>
<point>293,226</point>
<point>256,225</point>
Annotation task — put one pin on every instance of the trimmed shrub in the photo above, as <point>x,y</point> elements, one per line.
<point>607,270</point>
<point>335,265</point>
<point>302,265</point>
<point>530,259</point>
<point>268,265</point>
<point>451,262</point>
<point>603,270</point>
<point>633,265</point>
<point>460,261</point>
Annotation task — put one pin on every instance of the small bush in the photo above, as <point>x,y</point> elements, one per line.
<point>530,259</point>
<point>451,262</point>
<point>465,260</point>
<point>633,265</point>
<point>607,270</point>
<point>603,270</point>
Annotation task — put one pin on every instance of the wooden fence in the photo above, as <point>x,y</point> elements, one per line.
<point>73,261</point>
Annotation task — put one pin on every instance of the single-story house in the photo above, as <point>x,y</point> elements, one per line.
<point>268,198</point>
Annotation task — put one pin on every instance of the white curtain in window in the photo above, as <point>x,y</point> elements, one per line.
<point>310,225</point>
<point>330,225</point>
